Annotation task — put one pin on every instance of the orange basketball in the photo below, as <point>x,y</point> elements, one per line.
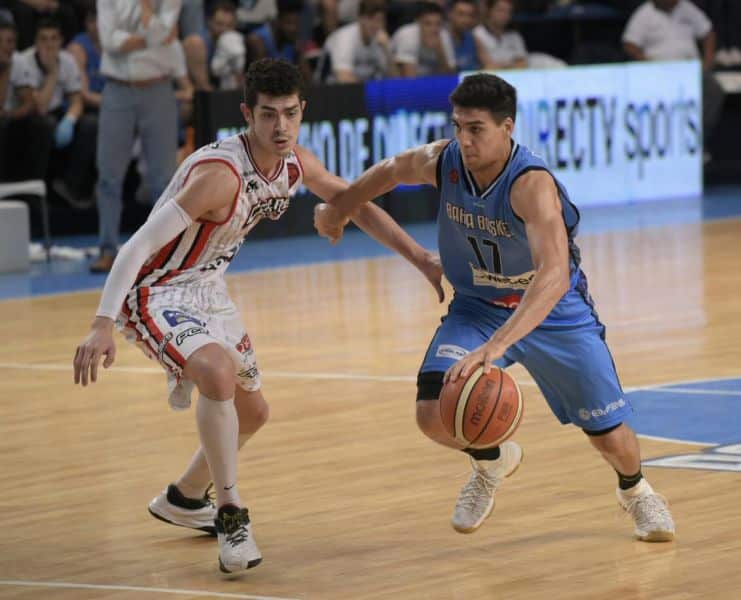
<point>483,410</point>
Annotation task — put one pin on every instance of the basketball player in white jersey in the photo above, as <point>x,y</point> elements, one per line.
<point>166,293</point>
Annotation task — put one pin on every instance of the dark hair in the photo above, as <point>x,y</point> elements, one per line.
<point>274,77</point>
<point>8,25</point>
<point>225,5</point>
<point>48,23</point>
<point>488,92</point>
<point>286,7</point>
<point>427,8</point>
<point>470,2</point>
<point>368,8</point>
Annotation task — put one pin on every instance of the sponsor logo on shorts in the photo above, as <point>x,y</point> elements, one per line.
<point>244,345</point>
<point>450,351</point>
<point>188,333</point>
<point>175,317</point>
<point>585,414</point>
<point>250,373</point>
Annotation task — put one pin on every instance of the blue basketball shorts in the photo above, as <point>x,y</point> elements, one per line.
<point>571,363</point>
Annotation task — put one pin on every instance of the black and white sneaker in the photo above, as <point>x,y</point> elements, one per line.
<point>237,547</point>
<point>174,508</point>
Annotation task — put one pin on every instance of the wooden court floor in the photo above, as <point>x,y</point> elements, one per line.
<point>348,499</point>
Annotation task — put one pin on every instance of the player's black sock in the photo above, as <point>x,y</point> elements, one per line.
<point>625,482</point>
<point>483,453</point>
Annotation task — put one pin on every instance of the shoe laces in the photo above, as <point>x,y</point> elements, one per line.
<point>647,508</point>
<point>235,527</point>
<point>209,496</point>
<point>480,484</point>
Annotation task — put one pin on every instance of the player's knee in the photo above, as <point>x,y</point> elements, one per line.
<point>212,370</point>
<point>428,416</point>
<point>606,440</point>
<point>259,414</point>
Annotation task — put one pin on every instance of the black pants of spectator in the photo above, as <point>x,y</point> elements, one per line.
<point>713,97</point>
<point>25,145</point>
<point>25,18</point>
<point>75,164</point>
<point>726,18</point>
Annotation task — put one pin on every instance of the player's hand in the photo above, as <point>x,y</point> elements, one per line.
<point>97,344</point>
<point>433,270</point>
<point>483,355</point>
<point>328,222</point>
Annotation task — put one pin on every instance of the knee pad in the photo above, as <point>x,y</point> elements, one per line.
<point>429,385</point>
<point>599,432</point>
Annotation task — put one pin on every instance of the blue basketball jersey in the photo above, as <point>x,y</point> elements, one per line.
<point>483,245</point>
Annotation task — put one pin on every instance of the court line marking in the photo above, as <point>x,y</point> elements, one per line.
<point>697,391</point>
<point>133,588</point>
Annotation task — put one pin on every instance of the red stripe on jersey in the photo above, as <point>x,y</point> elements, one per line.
<point>196,249</point>
<point>151,326</point>
<point>161,259</point>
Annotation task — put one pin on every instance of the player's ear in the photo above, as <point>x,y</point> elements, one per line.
<point>303,105</point>
<point>246,112</point>
<point>509,125</point>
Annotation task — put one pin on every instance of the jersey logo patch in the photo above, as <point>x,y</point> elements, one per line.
<point>175,317</point>
<point>293,174</point>
<point>454,177</point>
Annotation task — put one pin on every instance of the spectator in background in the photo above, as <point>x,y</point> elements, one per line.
<point>462,18</point>
<point>670,30</point>
<point>502,48</point>
<point>78,178</point>
<point>25,137</point>
<point>726,18</point>
<point>138,97</point>
<point>251,14</point>
<point>227,52</point>
<point>28,13</point>
<point>361,51</point>
<point>279,38</point>
<point>424,47</point>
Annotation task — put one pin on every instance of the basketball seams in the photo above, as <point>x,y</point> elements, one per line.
<point>493,409</point>
<point>460,410</point>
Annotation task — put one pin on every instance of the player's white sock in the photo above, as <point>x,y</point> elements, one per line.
<point>218,428</point>
<point>194,482</point>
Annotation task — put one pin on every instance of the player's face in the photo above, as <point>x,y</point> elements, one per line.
<point>275,121</point>
<point>482,140</point>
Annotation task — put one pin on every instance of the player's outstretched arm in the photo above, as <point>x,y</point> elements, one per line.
<point>372,219</point>
<point>535,200</point>
<point>209,193</point>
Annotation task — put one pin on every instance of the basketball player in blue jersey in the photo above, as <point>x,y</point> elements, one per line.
<point>506,232</point>
<point>167,294</point>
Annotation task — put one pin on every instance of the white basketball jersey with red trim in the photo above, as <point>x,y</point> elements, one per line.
<point>205,249</point>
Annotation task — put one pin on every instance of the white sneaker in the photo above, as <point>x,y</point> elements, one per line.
<point>172,507</point>
<point>476,499</point>
<point>237,547</point>
<point>650,512</point>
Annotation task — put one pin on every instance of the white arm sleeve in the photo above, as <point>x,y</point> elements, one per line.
<point>161,227</point>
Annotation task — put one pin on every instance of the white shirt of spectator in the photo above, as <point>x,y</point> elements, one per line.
<point>667,35</point>
<point>19,77</point>
<point>68,80</point>
<point>118,20</point>
<point>407,48</point>
<point>349,53</point>
<point>501,49</point>
<point>228,59</point>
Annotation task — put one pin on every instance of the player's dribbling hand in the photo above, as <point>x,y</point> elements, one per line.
<point>97,344</point>
<point>328,222</point>
<point>433,270</point>
<point>483,355</point>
